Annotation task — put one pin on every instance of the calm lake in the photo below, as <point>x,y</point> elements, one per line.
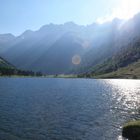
<point>66,109</point>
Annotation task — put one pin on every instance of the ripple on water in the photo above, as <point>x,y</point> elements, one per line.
<point>39,108</point>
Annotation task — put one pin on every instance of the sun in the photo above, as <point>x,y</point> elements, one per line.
<point>125,9</point>
<point>128,9</point>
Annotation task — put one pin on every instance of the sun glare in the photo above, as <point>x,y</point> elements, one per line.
<point>126,9</point>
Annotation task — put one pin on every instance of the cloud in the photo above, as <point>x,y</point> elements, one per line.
<point>125,10</point>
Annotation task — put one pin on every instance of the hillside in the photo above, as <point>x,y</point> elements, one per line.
<point>4,63</point>
<point>123,58</point>
<point>132,71</point>
<point>124,64</point>
<point>7,69</point>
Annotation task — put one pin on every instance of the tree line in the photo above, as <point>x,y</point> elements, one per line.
<point>12,71</point>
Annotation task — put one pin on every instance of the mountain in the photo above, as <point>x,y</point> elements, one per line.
<point>124,50</point>
<point>126,56</point>
<point>5,41</point>
<point>58,58</point>
<point>28,49</point>
<point>6,38</point>
<point>51,49</point>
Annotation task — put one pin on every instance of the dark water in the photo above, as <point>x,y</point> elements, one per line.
<point>66,109</point>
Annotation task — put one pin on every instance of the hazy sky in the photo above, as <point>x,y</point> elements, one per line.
<point>18,15</point>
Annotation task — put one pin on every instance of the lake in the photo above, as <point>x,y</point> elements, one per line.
<point>66,109</point>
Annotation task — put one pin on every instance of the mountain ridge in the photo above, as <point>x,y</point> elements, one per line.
<point>52,48</point>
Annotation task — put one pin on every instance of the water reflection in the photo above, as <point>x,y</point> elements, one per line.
<point>126,93</point>
<point>124,101</point>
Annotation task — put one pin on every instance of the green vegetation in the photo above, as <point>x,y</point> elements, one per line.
<point>4,63</point>
<point>7,69</point>
<point>131,130</point>
<point>124,58</point>
<point>132,71</point>
<point>124,64</point>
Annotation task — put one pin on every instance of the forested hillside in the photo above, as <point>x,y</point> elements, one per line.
<point>7,69</point>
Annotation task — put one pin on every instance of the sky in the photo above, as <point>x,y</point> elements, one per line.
<point>16,16</point>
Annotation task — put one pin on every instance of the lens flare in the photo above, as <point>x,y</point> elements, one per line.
<point>76,59</point>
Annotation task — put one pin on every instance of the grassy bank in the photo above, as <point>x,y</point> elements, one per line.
<point>130,72</point>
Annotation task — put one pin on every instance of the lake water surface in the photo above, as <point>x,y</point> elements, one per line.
<point>66,109</point>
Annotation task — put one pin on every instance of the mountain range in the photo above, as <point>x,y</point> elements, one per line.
<point>75,49</point>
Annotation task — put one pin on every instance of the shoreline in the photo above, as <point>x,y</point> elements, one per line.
<point>67,77</point>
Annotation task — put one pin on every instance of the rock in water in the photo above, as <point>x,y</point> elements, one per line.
<point>131,130</point>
